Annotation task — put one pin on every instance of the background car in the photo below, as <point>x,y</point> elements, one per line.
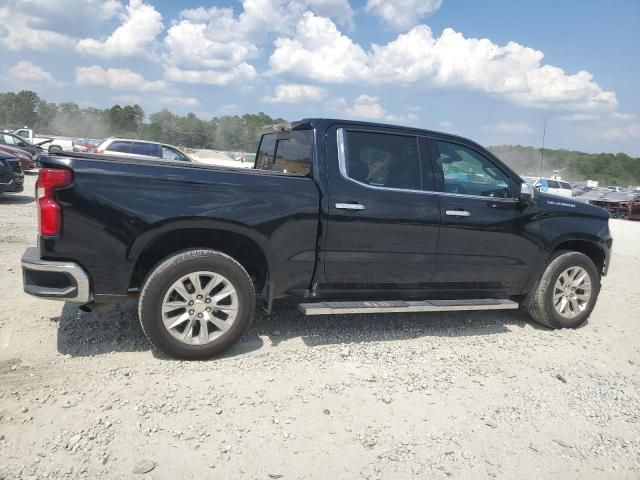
<point>125,147</point>
<point>11,176</point>
<point>555,187</point>
<point>13,140</point>
<point>26,159</point>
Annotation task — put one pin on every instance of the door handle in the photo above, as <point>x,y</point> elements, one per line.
<point>457,213</point>
<point>350,206</point>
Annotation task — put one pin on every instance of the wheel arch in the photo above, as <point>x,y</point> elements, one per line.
<point>237,242</point>
<point>585,246</point>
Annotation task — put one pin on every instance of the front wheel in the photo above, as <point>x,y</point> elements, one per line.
<point>196,304</point>
<point>567,291</point>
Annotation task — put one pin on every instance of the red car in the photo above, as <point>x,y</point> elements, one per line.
<point>26,159</point>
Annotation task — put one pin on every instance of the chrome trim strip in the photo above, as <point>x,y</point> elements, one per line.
<point>343,308</point>
<point>480,197</point>
<point>83,295</point>
<point>350,206</point>
<point>457,213</point>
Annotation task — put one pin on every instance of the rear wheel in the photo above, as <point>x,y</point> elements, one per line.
<point>196,304</point>
<point>55,149</point>
<point>567,291</point>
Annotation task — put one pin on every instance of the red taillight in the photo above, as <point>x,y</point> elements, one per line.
<point>100,152</point>
<point>49,212</point>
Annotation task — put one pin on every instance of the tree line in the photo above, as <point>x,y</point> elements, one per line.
<point>607,168</point>
<point>241,132</point>
<point>228,132</point>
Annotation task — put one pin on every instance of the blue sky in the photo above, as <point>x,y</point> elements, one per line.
<point>487,70</point>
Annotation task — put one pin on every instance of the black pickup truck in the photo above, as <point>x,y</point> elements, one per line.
<point>347,217</point>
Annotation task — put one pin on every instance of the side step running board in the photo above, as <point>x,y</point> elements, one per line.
<point>342,308</point>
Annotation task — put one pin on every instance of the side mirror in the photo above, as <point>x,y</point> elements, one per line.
<point>527,193</point>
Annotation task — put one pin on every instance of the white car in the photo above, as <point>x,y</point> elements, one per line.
<point>50,143</point>
<point>127,147</point>
<point>555,187</point>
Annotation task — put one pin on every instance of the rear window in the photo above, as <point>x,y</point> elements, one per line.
<point>144,148</point>
<point>119,146</point>
<point>288,152</point>
<point>169,153</point>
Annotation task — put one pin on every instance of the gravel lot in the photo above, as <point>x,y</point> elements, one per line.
<point>464,395</point>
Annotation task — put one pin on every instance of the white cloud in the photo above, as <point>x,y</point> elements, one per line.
<point>319,51</point>
<point>19,34</point>
<point>402,14</point>
<point>340,10</point>
<point>28,72</point>
<point>141,24</point>
<point>127,99</point>
<point>45,25</point>
<point>623,116</point>
<point>367,107</point>
<point>364,106</point>
<point>509,128</point>
<point>183,101</point>
<point>580,117</point>
<point>239,73</point>
<point>296,93</point>
<point>624,133</point>
<point>116,78</point>
<point>208,43</point>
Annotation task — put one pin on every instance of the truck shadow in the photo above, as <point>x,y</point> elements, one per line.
<point>12,199</point>
<point>115,328</point>
<point>373,328</point>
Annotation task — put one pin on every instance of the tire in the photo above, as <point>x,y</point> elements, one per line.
<point>55,149</point>
<point>160,288</point>
<point>540,301</point>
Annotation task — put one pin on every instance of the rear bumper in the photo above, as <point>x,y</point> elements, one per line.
<point>56,280</point>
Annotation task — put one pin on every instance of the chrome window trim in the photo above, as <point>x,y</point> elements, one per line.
<point>480,197</point>
<point>342,163</point>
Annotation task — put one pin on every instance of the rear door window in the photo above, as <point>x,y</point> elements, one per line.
<point>383,159</point>
<point>565,185</point>
<point>553,184</point>
<point>147,149</point>
<point>119,146</point>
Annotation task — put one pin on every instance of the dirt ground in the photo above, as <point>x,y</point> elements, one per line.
<point>460,395</point>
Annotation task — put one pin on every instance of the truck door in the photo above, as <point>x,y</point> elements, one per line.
<point>485,241</point>
<point>383,213</point>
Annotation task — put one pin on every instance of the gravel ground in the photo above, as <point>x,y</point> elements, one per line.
<point>461,395</point>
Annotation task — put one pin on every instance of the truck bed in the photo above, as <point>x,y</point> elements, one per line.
<point>119,209</point>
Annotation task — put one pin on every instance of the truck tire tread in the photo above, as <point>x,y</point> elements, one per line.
<point>148,320</point>
<point>538,302</point>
